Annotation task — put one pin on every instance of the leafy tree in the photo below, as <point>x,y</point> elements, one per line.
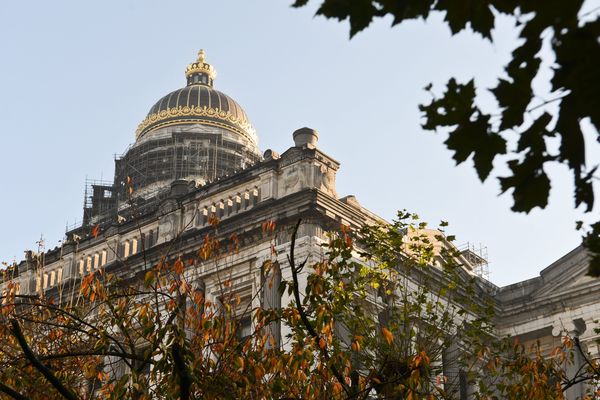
<point>387,313</point>
<point>573,37</point>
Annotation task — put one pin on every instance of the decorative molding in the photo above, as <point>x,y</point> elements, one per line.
<point>186,113</point>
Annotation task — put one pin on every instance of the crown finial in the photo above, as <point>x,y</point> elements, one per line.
<point>200,72</point>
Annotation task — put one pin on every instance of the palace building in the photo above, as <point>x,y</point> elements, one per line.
<point>196,154</point>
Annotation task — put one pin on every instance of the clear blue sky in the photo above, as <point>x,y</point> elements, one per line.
<point>77,77</point>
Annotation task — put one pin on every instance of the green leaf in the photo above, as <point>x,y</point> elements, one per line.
<point>592,243</point>
<point>454,106</point>
<point>360,12</point>
<point>529,182</point>
<point>149,278</point>
<point>407,9</point>
<point>300,3</point>
<point>533,138</point>
<point>584,190</point>
<point>572,151</point>
<point>475,137</point>
<point>475,13</point>
<point>472,133</point>
<point>577,59</point>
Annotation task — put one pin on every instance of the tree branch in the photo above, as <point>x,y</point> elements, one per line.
<point>125,356</point>
<point>54,381</point>
<point>181,370</point>
<point>11,392</point>
<point>303,316</point>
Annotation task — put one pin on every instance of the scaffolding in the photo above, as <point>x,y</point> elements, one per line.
<point>98,202</point>
<point>143,174</point>
<point>477,257</point>
<point>189,155</point>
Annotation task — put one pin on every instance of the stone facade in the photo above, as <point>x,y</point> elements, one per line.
<point>300,183</point>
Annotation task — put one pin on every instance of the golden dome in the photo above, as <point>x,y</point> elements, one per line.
<point>198,103</point>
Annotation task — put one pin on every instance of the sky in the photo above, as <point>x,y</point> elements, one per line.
<point>78,77</point>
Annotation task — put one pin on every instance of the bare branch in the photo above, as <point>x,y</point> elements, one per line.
<point>48,374</point>
<point>12,393</point>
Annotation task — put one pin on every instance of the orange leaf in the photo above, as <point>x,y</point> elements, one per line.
<point>213,220</point>
<point>337,388</point>
<point>321,343</point>
<point>178,266</point>
<point>268,226</point>
<point>240,362</point>
<point>95,231</point>
<point>389,336</point>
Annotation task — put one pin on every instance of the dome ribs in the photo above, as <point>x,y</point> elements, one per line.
<point>204,96</point>
<point>223,101</point>
<point>172,102</point>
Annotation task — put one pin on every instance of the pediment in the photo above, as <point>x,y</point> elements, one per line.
<point>566,275</point>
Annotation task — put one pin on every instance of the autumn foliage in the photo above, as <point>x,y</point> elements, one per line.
<point>386,312</point>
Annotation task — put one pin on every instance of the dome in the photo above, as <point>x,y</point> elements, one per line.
<point>195,133</point>
<point>198,103</point>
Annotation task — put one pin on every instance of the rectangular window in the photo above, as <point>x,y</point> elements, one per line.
<point>245,328</point>
<point>150,239</point>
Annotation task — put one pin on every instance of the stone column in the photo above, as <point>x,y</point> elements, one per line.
<point>572,329</point>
